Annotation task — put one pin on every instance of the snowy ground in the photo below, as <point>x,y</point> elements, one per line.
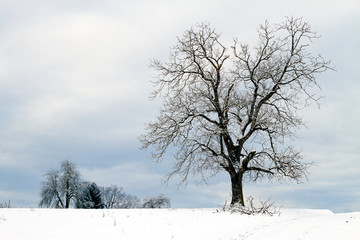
<point>72,224</point>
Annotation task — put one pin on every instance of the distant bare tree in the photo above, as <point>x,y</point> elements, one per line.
<point>235,110</point>
<point>60,187</point>
<point>5,204</point>
<point>114,197</point>
<point>156,202</point>
<point>128,201</point>
<point>111,195</point>
<point>50,192</point>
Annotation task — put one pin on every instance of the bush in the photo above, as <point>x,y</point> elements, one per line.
<point>265,207</point>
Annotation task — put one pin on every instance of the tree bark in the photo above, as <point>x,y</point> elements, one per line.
<point>237,189</point>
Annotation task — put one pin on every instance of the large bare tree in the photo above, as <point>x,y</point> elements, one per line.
<point>235,109</point>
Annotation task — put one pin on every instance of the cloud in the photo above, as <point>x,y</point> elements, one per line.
<point>131,176</point>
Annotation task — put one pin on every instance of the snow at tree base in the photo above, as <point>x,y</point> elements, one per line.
<point>158,224</point>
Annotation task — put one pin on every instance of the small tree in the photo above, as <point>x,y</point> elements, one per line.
<point>81,189</point>
<point>111,195</point>
<point>91,197</point>
<point>234,110</point>
<point>114,197</point>
<point>60,187</point>
<point>128,201</point>
<point>156,202</point>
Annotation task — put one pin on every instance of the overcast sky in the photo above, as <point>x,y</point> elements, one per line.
<point>75,82</point>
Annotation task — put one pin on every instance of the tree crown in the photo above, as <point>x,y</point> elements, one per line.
<point>235,109</point>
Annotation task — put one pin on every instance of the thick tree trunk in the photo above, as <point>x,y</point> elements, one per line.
<point>237,189</point>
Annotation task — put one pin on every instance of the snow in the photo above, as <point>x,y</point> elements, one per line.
<point>73,224</point>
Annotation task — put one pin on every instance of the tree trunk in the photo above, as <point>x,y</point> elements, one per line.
<point>67,201</point>
<point>67,196</point>
<point>237,189</point>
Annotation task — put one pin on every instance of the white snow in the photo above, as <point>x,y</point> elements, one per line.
<point>73,224</point>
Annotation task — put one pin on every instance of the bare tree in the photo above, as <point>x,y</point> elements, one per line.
<point>111,195</point>
<point>5,205</point>
<point>60,186</point>
<point>156,202</point>
<point>114,197</point>
<point>235,109</point>
<point>51,195</point>
<point>128,201</point>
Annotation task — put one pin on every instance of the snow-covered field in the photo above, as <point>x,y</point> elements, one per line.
<point>72,224</point>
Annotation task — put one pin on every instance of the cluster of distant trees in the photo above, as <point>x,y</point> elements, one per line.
<point>5,204</point>
<point>64,188</point>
